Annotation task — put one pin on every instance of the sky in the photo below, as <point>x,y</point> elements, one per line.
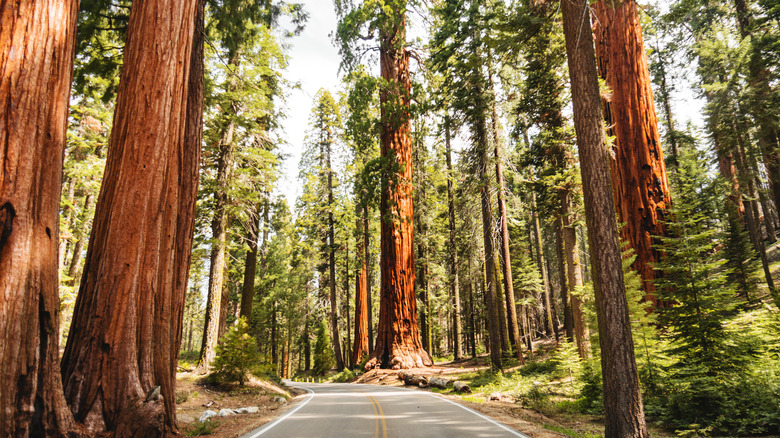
<point>314,63</point>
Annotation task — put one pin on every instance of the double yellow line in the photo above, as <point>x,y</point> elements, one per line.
<point>380,415</point>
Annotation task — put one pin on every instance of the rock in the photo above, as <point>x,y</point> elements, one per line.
<point>461,387</point>
<point>495,396</point>
<point>206,415</point>
<point>439,382</point>
<point>185,418</point>
<point>281,400</point>
<point>252,410</point>
<point>240,411</point>
<point>226,412</point>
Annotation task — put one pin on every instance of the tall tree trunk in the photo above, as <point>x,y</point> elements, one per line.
<point>37,42</point>
<point>126,332</point>
<point>624,413</point>
<point>360,346</point>
<point>66,220</point>
<point>549,318</point>
<point>334,310</point>
<point>560,249</point>
<point>573,273</point>
<point>398,342</point>
<point>347,344</point>
<point>640,185</point>
<point>369,298</point>
<point>274,335</point>
<point>250,268</point>
<point>307,338</point>
<point>509,288</point>
<point>73,268</point>
<point>453,249</point>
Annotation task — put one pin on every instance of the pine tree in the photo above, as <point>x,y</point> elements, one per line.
<point>323,353</point>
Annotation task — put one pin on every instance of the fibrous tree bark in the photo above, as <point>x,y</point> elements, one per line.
<point>573,273</point>
<point>549,314</point>
<point>624,413</point>
<point>360,346</point>
<point>398,342</point>
<point>640,185</point>
<point>37,43</point>
<point>119,365</point>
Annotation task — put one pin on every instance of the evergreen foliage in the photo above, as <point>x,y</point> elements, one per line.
<point>236,356</point>
<point>323,353</point>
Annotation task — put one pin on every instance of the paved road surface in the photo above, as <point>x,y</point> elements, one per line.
<point>344,410</point>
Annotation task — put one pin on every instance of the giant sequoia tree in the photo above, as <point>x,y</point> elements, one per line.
<point>639,178</point>
<point>37,40</point>
<point>398,343</point>
<point>119,365</point>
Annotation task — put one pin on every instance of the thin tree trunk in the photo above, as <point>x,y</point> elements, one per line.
<point>369,298</point>
<point>398,342</point>
<point>640,186</point>
<point>126,332</point>
<point>250,267</point>
<point>573,273</point>
<point>37,42</point>
<point>568,315</point>
<point>453,250</point>
<point>549,319</point>
<point>509,289</point>
<point>347,344</point>
<point>73,268</point>
<point>334,310</point>
<point>624,413</point>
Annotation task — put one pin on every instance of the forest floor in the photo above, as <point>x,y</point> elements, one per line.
<point>194,397</point>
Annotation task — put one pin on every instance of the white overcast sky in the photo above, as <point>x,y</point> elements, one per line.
<point>314,63</point>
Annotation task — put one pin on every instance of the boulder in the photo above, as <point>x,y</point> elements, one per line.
<point>226,412</point>
<point>206,415</point>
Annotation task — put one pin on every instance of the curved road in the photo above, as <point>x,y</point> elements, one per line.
<point>348,410</point>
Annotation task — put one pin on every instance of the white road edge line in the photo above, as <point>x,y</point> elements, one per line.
<point>484,417</point>
<point>268,427</point>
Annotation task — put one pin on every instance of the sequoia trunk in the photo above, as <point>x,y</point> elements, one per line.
<point>639,180</point>
<point>119,365</point>
<point>624,413</point>
<point>37,42</point>
<point>398,337</point>
<point>360,346</point>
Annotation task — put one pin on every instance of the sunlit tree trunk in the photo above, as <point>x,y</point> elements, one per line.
<point>37,41</point>
<point>574,273</point>
<point>398,342</point>
<point>119,365</point>
<point>360,346</point>
<point>624,413</point>
<point>640,184</point>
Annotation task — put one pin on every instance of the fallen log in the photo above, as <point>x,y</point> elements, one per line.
<point>413,379</point>
<point>439,382</point>
<point>461,387</point>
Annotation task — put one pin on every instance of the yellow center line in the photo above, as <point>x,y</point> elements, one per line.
<point>376,418</point>
<point>377,406</point>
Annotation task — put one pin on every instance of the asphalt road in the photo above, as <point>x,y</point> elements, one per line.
<point>345,410</point>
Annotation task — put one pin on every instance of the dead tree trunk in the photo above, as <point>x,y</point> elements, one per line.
<point>37,43</point>
<point>640,185</point>
<point>624,413</point>
<point>398,342</point>
<point>119,365</point>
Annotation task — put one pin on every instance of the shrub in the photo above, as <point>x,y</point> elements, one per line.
<point>236,355</point>
<point>199,429</point>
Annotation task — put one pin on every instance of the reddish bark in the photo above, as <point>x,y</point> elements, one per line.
<point>639,179</point>
<point>398,342</point>
<point>124,341</point>
<point>37,41</point>
<point>624,413</point>
<point>360,346</point>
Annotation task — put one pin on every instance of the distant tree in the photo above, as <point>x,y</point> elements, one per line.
<point>323,352</point>
<point>398,342</point>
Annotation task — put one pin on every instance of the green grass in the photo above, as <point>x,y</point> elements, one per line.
<point>570,432</point>
<point>200,429</point>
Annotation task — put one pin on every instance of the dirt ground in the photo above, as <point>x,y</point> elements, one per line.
<point>200,398</point>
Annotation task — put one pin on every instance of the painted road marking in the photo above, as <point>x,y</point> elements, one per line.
<point>280,419</point>
<point>380,416</point>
